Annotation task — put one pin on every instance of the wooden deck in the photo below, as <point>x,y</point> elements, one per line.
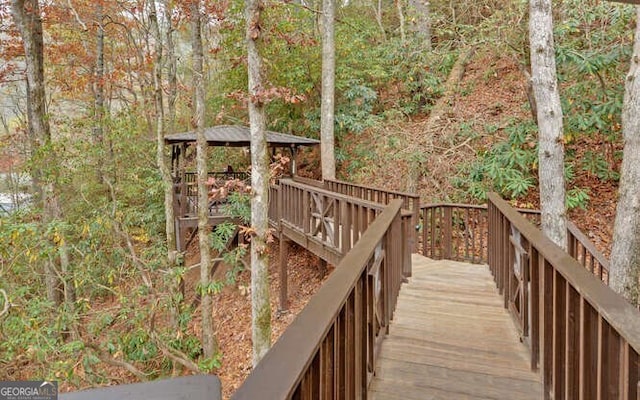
<point>451,338</point>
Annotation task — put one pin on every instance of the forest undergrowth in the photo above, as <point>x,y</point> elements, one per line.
<point>489,97</point>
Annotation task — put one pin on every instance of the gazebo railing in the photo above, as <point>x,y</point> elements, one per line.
<point>186,192</point>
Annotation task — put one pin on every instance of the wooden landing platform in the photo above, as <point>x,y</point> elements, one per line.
<point>452,339</point>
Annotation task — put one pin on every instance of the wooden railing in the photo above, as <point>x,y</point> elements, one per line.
<point>330,349</point>
<point>584,338</point>
<point>186,192</point>
<point>582,249</point>
<point>328,223</point>
<point>331,220</point>
<point>274,201</point>
<point>454,232</point>
<point>410,201</point>
<point>457,231</point>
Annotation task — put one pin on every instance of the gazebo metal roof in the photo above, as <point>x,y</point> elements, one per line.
<point>239,136</point>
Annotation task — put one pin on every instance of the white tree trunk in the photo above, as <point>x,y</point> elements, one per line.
<point>327,144</point>
<point>171,68</point>
<point>422,21</point>
<point>98,130</point>
<point>625,254</point>
<point>161,159</point>
<point>377,10</point>
<point>400,7</point>
<point>209,343</point>
<point>551,147</point>
<point>260,304</point>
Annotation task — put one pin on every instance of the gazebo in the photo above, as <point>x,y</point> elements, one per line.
<point>185,192</point>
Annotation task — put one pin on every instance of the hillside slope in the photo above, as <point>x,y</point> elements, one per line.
<point>491,94</point>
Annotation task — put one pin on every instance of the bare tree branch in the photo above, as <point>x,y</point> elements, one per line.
<point>106,358</point>
<point>75,14</point>
<point>139,264</point>
<point>169,352</point>
<point>7,304</point>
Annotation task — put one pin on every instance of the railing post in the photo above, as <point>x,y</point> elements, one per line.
<point>306,211</point>
<point>447,222</point>
<point>534,301</point>
<point>571,243</point>
<point>279,204</point>
<point>414,224</point>
<point>406,230</point>
<point>184,198</point>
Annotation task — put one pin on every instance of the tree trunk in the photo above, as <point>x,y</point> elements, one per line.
<point>209,343</point>
<point>172,69</point>
<point>260,304</point>
<point>377,10</point>
<point>328,90</point>
<point>161,159</point>
<point>99,76</point>
<point>98,114</point>
<point>399,7</point>
<point>422,21</point>
<point>420,154</point>
<point>177,286</point>
<point>26,14</point>
<point>66,270</point>
<point>625,254</point>
<point>551,147</point>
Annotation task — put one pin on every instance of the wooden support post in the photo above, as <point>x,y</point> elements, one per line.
<point>448,229</point>
<point>292,163</point>
<point>284,255</point>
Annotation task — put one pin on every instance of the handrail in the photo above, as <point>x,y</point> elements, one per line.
<point>195,387</point>
<point>583,337</point>
<point>322,220</point>
<point>353,199</point>
<point>274,204</point>
<point>410,201</point>
<point>192,176</point>
<point>399,194</point>
<point>329,347</point>
<point>582,249</point>
<point>309,181</point>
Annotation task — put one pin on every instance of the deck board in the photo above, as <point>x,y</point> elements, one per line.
<point>451,338</point>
